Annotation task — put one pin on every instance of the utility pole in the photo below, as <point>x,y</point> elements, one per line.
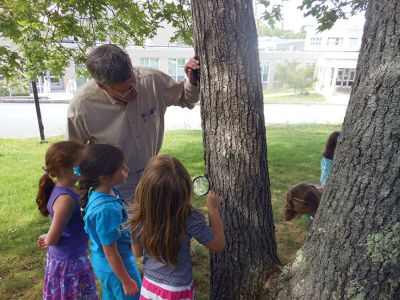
<point>38,114</point>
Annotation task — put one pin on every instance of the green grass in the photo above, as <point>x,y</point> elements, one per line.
<point>294,99</point>
<point>294,153</point>
<point>278,91</point>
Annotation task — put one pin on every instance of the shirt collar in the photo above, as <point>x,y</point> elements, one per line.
<point>113,101</point>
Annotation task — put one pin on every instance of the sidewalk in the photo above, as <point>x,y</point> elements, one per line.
<point>19,120</point>
<point>63,97</point>
<point>338,99</point>
<point>55,97</point>
<point>341,99</point>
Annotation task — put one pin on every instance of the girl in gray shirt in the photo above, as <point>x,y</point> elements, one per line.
<point>163,222</point>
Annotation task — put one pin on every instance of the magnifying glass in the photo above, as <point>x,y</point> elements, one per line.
<point>201,185</point>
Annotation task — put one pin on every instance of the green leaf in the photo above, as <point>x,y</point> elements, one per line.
<point>36,30</point>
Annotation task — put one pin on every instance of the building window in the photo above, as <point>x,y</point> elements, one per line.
<point>55,80</point>
<point>315,41</point>
<point>345,77</point>
<point>56,83</point>
<point>335,41</point>
<point>264,70</point>
<point>150,62</point>
<point>176,68</point>
<point>353,41</point>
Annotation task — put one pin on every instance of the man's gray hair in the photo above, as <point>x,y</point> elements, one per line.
<point>109,64</point>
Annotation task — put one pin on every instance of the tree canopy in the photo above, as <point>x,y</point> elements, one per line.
<point>45,35</point>
<point>295,76</point>
<point>265,30</point>
<point>328,12</point>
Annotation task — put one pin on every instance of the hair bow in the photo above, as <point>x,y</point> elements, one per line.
<point>77,171</point>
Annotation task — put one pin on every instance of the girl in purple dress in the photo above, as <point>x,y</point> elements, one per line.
<point>69,274</point>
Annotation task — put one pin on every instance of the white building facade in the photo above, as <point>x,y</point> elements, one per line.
<point>338,50</point>
<point>333,53</point>
<point>171,59</point>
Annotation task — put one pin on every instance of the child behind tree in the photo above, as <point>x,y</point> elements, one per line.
<point>327,157</point>
<point>302,198</point>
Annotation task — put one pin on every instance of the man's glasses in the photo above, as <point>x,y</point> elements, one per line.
<point>131,89</point>
<point>125,168</point>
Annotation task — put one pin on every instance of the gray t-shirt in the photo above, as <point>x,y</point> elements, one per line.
<point>181,274</point>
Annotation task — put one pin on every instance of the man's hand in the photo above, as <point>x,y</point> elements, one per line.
<point>190,69</point>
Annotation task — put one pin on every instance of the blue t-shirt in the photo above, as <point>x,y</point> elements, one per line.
<point>181,274</point>
<point>326,165</point>
<point>104,222</point>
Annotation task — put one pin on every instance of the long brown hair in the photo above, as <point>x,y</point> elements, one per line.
<point>97,160</point>
<point>161,208</point>
<point>59,156</point>
<point>302,198</point>
<point>331,145</point>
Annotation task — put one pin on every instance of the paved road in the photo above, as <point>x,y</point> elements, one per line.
<point>18,120</point>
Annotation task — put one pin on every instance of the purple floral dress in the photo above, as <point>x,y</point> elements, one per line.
<point>69,274</point>
<point>69,279</point>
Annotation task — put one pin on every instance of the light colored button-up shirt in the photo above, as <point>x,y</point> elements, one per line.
<point>136,127</point>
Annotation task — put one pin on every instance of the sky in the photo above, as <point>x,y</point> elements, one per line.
<point>294,19</point>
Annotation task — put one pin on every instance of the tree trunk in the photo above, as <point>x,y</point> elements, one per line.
<point>353,248</point>
<point>235,145</point>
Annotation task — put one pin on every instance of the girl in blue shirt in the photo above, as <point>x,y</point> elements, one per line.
<point>327,157</point>
<point>101,168</point>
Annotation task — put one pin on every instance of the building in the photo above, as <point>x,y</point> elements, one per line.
<point>334,54</point>
<point>171,58</point>
<point>338,50</point>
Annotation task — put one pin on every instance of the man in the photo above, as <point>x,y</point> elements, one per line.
<point>125,106</point>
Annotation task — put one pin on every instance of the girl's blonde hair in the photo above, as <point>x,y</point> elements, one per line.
<point>161,208</point>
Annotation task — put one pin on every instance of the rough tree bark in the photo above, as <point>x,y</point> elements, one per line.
<point>235,145</point>
<point>353,247</point>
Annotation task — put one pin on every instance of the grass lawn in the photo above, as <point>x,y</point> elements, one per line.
<point>294,153</point>
<point>294,99</point>
<point>280,91</point>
